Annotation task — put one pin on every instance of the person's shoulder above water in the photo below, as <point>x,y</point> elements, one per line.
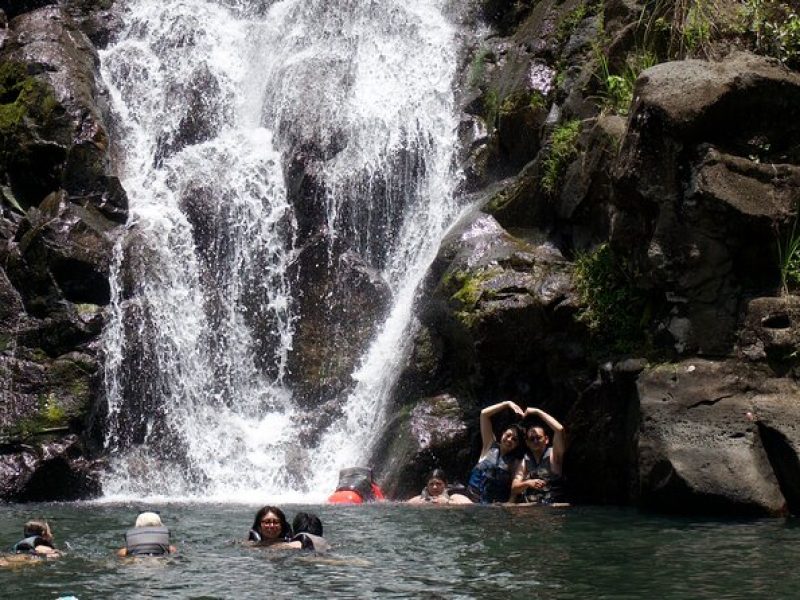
<point>149,537</point>
<point>37,540</point>
<point>437,492</point>
<point>308,531</point>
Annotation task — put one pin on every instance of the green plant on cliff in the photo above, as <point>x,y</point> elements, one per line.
<point>682,28</point>
<point>616,89</point>
<point>775,27</point>
<point>467,289</point>
<point>788,246</point>
<point>569,23</point>
<point>614,310</point>
<point>477,67</point>
<point>563,148</point>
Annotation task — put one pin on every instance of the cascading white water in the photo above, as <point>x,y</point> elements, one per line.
<point>211,96</point>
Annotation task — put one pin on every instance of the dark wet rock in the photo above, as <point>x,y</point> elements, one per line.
<point>61,207</point>
<point>341,301</point>
<point>204,108</point>
<point>64,141</point>
<point>717,437</point>
<point>430,433</point>
<point>100,20</point>
<point>13,8</point>
<point>690,185</point>
<point>48,471</point>
<point>499,303</point>
<point>584,203</point>
<point>602,433</point>
<point>771,332</point>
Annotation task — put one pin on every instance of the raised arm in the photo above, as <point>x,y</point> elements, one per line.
<point>557,457</point>
<point>487,433</point>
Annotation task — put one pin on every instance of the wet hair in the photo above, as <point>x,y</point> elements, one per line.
<point>304,522</point>
<point>437,474</point>
<point>148,519</point>
<point>37,528</point>
<point>286,530</point>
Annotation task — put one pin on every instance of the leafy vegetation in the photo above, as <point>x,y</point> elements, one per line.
<point>570,22</point>
<point>788,245</point>
<point>477,67</point>
<point>776,27</point>
<point>615,311</point>
<point>563,148</point>
<point>616,90</point>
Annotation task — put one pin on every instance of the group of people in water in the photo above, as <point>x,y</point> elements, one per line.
<point>150,538</point>
<point>525,465</point>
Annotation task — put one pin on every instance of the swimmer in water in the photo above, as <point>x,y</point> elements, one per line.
<point>270,528</point>
<point>435,491</point>
<point>36,543</point>
<point>148,537</point>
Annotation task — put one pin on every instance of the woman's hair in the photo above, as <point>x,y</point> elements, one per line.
<point>437,474</point>
<point>519,451</point>
<point>307,523</point>
<point>38,528</point>
<point>286,530</point>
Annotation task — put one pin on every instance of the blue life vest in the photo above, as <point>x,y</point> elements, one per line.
<point>490,480</point>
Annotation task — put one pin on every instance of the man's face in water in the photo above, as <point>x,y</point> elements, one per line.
<point>536,438</point>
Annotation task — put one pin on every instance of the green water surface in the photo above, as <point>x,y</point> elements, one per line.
<point>400,551</point>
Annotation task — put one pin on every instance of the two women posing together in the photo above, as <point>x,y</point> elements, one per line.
<point>522,466</point>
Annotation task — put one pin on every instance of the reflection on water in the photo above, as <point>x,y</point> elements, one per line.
<point>396,551</point>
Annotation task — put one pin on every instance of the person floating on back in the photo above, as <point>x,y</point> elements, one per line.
<point>436,492</point>
<point>37,540</point>
<point>148,537</point>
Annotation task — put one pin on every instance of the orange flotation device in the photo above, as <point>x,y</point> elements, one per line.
<point>356,486</point>
<point>345,497</point>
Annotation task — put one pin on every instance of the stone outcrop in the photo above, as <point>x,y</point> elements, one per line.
<point>61,207</point>
<point>718,437</point>
<point>691,196</point>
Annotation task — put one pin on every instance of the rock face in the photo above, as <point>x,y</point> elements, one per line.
<point>672,360</point>
<point>61,207</point>
<point>719,436</point>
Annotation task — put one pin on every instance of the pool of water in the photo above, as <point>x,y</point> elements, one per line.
<point>400,551</point>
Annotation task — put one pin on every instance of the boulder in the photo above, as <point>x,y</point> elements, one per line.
<point>705,177</point>
<point>718,437</point>
<point>48,471</point>
<point>50,72</point>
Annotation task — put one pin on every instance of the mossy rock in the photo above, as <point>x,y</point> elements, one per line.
<point>34,134</point>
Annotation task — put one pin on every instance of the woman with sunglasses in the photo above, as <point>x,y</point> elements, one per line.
<point>541,480</point>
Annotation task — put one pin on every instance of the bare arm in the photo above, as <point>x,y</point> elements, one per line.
<point>459,499</point>
<point>416,500</point>
<point>487,433</point>
<point>122,552</point>
<point>557,456</point>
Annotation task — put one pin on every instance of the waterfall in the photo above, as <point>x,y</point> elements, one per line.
<point>213,102</point>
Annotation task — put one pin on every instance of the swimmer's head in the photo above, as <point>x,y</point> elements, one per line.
<point>38,528</point>
<point>148,519</point>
